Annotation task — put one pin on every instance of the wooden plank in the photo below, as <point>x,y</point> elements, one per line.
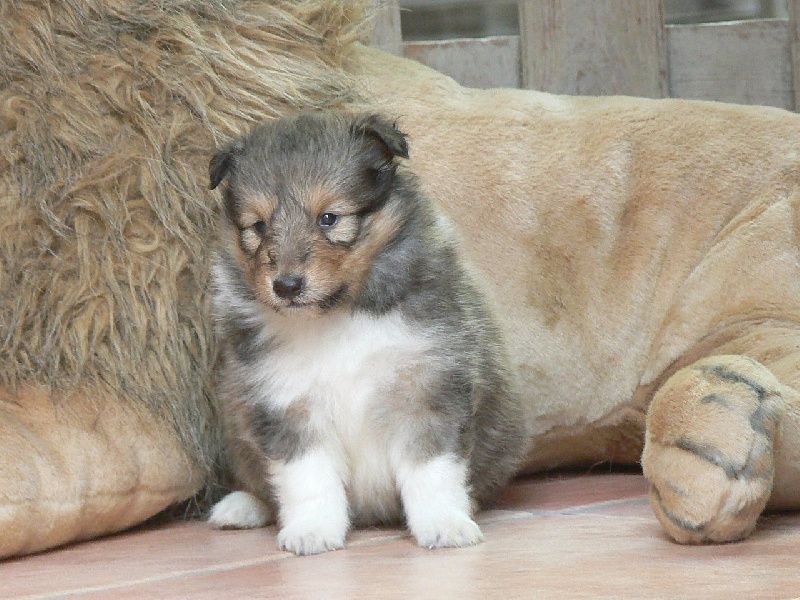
<point>794,35</point>
<point>386,32</point>
<point>746,62</point>
<point>594,47</point>
<point>480,63</point>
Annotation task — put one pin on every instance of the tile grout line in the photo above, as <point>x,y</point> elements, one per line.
<point>503,516</point>
<point>578,509</point>
<point>152,579</point>
<point>584,508</point>
<point>219,568</point>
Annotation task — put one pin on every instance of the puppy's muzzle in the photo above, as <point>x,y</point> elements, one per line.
<point>287,286</point>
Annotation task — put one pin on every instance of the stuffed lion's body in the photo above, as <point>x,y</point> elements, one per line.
<point>645,264</point>
<point>642,257</point>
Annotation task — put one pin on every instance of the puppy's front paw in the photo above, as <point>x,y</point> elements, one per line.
<point>303,539</point>
<point>240,510</point>
<point>450,530</point>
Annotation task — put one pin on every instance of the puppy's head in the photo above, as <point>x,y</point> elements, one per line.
<point>307,205</point>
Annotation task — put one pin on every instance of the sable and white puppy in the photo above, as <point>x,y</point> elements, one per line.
<point>363,380</point>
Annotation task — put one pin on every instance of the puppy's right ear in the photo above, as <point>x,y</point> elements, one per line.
<point>222,162</point>
<point>385,141</point>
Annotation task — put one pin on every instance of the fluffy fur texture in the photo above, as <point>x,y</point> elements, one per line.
<point>644,260</point>
<point>379,376</point>
<point>623,239</point>
<point>108,112</point>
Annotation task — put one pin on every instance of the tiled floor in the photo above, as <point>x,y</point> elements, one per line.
<point>573,536</point>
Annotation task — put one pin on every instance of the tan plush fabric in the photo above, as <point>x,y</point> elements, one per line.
<point>109,112</point>
<point>76,467</point>
<point>622,239</point>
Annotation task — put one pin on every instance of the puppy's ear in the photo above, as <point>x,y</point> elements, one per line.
<point>384,139</point>
<point>222,162</point>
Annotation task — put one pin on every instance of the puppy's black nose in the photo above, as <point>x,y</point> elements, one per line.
<point>287,286</point>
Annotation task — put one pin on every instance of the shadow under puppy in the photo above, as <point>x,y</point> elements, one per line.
<point>363,379</point>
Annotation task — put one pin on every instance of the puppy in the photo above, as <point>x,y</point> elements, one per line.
<point>363,380</point>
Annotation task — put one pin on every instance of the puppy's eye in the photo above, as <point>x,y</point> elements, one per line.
<point>260,227</point>
<point>328,220</point>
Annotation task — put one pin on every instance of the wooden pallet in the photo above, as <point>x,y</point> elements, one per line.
<point>607,47</point>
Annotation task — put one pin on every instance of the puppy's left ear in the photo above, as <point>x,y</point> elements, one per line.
<point>386,141</point>
<point>221,163</point>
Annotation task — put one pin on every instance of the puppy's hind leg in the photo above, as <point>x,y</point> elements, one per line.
<point>248,508</point>
<point>241,510</point>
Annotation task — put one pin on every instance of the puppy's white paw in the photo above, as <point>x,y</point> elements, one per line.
<point>450,530</point>
<point>304,539</point>
<point>240,510</point>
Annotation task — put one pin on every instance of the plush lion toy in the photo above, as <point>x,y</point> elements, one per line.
<point>642,257</point>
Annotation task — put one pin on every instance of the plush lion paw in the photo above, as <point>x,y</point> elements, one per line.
<point>708,449</point>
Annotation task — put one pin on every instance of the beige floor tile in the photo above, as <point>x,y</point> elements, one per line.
<point>559,492</point>
<point>151,553</point>
<point>557,556</point>
<point>589,536</point>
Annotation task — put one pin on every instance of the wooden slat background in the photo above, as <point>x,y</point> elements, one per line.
<point>482,63</point>
<point>386,32</point>
<point>599,47</point>
<point>747,62</point>
<point>794,37</point>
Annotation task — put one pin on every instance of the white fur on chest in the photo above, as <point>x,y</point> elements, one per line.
<point>342,368</point>
<point>337,362</point>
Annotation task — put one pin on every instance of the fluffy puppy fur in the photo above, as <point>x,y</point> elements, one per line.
<point>363,379</point>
